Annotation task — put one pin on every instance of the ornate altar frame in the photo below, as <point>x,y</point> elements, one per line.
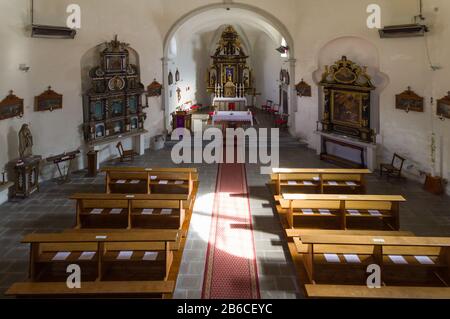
<point>347,96</point>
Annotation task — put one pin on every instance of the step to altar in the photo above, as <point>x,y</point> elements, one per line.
<point>4,192</point>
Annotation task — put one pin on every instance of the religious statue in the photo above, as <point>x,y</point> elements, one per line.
<point>25,142</point>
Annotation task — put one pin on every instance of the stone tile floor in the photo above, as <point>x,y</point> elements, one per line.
<point>50,210</point>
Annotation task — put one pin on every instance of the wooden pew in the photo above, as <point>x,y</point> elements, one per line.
<point>139,180</point>
<point>363,292</point>
<point>156,211</point>
<point>397,257</point>
<point>320,181</point>
<point>342,209</point>
<point>135,263</point>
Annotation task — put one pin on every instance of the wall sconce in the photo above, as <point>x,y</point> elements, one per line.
<point>24,67</point>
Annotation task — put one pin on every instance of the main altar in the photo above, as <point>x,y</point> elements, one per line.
<point>229,77</point>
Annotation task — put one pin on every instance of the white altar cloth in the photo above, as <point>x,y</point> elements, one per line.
<point>234,116</point>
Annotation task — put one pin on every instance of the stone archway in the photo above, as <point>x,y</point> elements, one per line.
<point>266,22</point>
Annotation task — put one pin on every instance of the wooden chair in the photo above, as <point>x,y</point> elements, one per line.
<point>394,169</point>
<point>125,154</point>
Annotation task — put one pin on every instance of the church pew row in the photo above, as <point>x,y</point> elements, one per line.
<point>409,265</point>
<point>112,264</point>
<point>138,180</point>
<point>103,211</point>
<point>321,181</point>
<point>341,211</point>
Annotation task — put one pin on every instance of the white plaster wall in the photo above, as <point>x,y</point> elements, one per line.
<point>144,24</point>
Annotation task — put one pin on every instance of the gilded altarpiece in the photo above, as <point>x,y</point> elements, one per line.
<point>347,94</point>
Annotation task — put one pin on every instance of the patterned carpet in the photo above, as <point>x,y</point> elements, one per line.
<point>231,271</point>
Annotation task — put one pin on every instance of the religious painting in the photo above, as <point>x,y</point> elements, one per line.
<point>48,101</point>
<point>154,89</point>
<point>246,76</point>
<point>229,74</point>
<point>409,101</point>
<point>133,104</point>
<point>134,123</point>
<point>118,127</point>
<point>117,83</point>
<point>212,77</point>
<point>11,106</point>
<point>346,108</point>
<point>303,89</point>
<point>443,107</point>
<point>98,110</point>
<point>115,63</point>
<point>99,130</point>
<point>117,108</point>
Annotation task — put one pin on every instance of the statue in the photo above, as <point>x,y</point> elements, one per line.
<point>25,142</point>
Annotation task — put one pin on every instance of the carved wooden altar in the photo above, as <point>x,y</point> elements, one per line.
<point>347,91</point>
<point>229,77</point>
<point>116,100</point>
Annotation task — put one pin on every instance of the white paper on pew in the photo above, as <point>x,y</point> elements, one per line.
<point>148,211</point>
<point>351,184</point>
<point>307,211</point>
<point>352,259</point>
<point>153,178</point>
<point>398,260</point>
<point>333,183</point>
<point>292,183</point>
<point>354,212</point>
<point>121,181</point>
<point>424,260</point>
<point>125,255</point>
<point>116,211</point>
<point>308,183</point>
<point>134,182</point>
<point>317,178</point>
<point>179,182</point>
<point>150,255</point>
<point>332,258</point>
<point>324,212</point>
<point>166,211</point>
<point>96,211</point>
<point>61,256</point>
<point>375,213</point>
<point>87,255</point>
<point>163,182</point>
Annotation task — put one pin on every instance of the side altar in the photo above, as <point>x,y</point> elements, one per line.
<point>230,78</point>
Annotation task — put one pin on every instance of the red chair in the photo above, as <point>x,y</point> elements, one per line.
<point>281,121</point>
<point>232,107</point>
<point>274,110</point>
<point>267,106</point>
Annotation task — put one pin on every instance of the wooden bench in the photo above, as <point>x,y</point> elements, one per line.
<point>135,263</point>
<point>363,292</point>
<point>342,209</point>
<point>320,181</point>
<point>397,257</point>
<point>138,180</point>
<point>156,211</point>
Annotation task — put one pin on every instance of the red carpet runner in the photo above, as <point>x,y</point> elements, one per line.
<point>231,271</point>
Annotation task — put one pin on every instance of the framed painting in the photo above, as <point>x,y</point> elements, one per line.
<point>115,63</point>
<point>229,74</point>
<point>48,101</point>
<point>154,89</point>
<point>346,108</point>
<point>11,106</point>
<point>303,89</point>
<point>117,107</point>
<point>443,107</point>
<point>409,101</point>
<point>98,110</point>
